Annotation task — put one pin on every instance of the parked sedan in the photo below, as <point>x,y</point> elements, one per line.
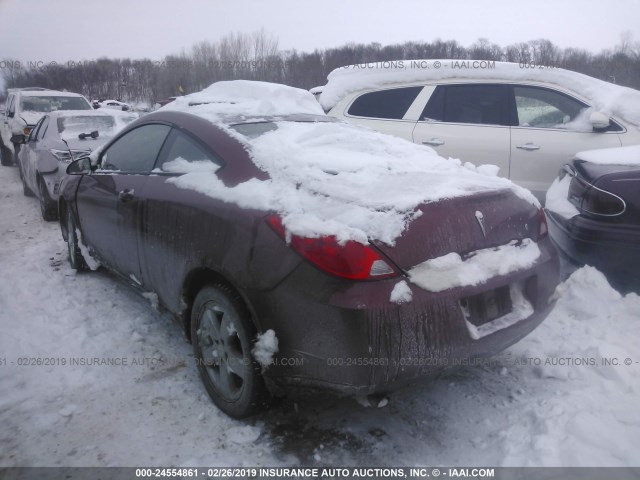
<point>594,212</point>
<point>57,139</point>
<point>112,104</point>
<point>527,121</point>
<point>299,251</point>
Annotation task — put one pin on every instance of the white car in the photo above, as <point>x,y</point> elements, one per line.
<point>57,139</point>
<point>24,108</point>
<point>113,104</point>
<point>528,122</point>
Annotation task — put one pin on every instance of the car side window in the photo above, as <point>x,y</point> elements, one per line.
<point>183,153</point>
<point>543,108</point>
<point>137,150</point>
<point>391,104</point>
<point>474,104</point>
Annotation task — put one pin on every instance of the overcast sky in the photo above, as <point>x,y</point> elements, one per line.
<point>61,30</point>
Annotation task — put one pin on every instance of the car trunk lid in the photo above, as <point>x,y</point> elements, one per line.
<point>464,225</point>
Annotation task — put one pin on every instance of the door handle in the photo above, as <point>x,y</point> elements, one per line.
<point>528,147</point>
<point>434,142</point>
<point>125,195</point>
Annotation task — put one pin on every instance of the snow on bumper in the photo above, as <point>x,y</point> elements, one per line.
<point>348,343</point>
<point>557,200</point>
<point>452,271</point>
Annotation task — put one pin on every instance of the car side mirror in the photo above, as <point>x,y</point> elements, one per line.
<point>18,139</point>
<point>599,121</point>
<point>80,166</point>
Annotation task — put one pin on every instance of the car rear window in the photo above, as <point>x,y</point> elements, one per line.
<point>85,124</point>
<point>473,104</point>
<point>391,104</point>
<point>254,130</point>
<point>46,104</point>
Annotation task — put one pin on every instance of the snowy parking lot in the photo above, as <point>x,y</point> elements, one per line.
<point>92,375</point>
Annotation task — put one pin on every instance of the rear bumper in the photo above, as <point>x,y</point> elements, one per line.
<point>606,246</point>
<point>348,343</point>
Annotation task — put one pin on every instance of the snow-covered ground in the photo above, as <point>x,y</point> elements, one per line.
<point>507,411</point>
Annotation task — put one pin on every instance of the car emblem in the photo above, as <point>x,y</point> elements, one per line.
<point>480,219</point>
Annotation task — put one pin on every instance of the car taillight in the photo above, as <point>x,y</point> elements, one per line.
<point>351,260</point>
<point>591,199</point>
<point>543,229</point>
<point>68,155</point>
<point>600,202</point>
<point>577,190</point>
<point>26,131</point>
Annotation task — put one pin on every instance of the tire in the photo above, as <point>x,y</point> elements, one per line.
<point>221,329</point>
<point>6,156</point>
<point>26,191</point>
<point>48,208</point>
<point>76,261</point>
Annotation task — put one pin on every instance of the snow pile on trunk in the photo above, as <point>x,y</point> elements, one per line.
<point>612,156</point>
<point>331,178</point>
<point>451,271</point>
<point>240,98</point>
<point>606,97</point>
<point>265,348</point>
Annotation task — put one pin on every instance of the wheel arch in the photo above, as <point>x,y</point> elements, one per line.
<point>193,283</point>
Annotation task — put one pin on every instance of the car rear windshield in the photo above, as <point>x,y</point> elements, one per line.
<point>254,130</point>
<point>51,104</point>
<point>257,128</point>
<point>392,103</point>
<point>85,124</point>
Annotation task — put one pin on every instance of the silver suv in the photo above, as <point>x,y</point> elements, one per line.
<point>24,108</point>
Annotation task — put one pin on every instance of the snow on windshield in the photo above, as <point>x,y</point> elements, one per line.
<point>106,125</point>
<point>331,178</point>
<point>606,97</point>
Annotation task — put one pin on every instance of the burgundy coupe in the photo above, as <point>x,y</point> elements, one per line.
<point>187,204</point>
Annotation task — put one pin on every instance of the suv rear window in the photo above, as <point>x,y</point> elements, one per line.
<point>392,103</point>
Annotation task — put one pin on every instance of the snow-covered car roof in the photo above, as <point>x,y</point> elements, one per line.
<point>240,98</point>
<point>328,177</point>
<point>48,93</point>
<point>604,96</point>
<point>612,156</point>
